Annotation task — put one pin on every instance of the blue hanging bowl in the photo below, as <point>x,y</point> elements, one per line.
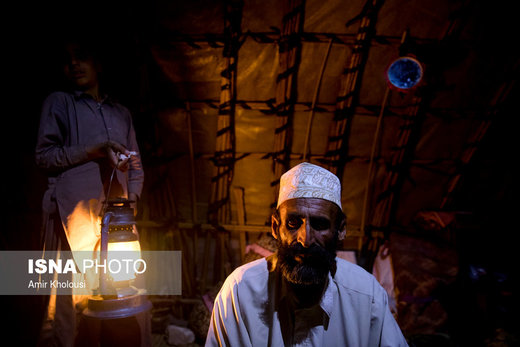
<point>404,73</point>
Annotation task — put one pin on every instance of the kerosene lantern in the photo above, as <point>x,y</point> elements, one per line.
<point>117,297</point>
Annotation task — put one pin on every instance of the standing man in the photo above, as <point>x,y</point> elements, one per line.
<point>86,144</point>
<point>303,294</point>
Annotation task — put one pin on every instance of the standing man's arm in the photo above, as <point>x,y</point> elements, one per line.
<point>134,164</point>
<point>52,151</point>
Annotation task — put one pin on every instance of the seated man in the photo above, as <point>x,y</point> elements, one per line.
<point>303,294</point>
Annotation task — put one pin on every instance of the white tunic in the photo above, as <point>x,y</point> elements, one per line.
<point>252,309</point>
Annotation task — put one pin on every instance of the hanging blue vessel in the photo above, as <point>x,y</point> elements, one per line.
<point>405,73</point>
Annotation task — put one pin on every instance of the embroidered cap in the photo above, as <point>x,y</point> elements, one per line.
<point>307,180</point>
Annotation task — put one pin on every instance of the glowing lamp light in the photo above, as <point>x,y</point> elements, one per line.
<point>404,73</point>
<point>124,250</point>
<point>120,248</point>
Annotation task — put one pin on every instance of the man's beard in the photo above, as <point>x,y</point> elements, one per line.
<point>314,267</point>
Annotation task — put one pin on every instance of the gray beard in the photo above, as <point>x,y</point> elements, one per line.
<point>315,267</point>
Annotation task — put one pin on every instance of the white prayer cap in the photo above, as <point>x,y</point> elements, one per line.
<point>307,180</point>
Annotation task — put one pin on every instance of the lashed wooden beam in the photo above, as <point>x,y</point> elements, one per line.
<point>398,158</point>
<point>286,87</point>
<point>337,144</point>
<point>268,107</point>
<point>199,41</point>
<point>224,159</point>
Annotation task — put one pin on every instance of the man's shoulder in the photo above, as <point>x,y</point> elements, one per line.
<point>353,277</point>
<point>249,279</point>
<point>57,103</point>
<point>251,270</point>
<point>58,96</point>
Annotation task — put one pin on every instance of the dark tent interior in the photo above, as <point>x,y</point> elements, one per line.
<point>227,95</point>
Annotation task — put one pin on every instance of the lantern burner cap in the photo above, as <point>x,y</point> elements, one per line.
<point>122,214</point>
<point>119,202</point>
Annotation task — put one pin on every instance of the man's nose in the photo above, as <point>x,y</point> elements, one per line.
<point>73,61</point>
<point>306,234</point>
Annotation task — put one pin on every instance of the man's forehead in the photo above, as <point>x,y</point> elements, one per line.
<point>78,50</point>
<point>315,206</point>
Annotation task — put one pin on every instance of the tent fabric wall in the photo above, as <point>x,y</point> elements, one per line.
<point>193,75</point>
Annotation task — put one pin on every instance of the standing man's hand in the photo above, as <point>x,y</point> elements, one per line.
<point>111,150</point>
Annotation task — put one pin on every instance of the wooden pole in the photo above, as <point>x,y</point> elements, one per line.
<point>314,100</point>
<point>194,216</point>
<point>371,165</point>
<point>241,215</point>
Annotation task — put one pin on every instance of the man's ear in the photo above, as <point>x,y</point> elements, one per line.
<point>275,226</point>
<point>342,230</point>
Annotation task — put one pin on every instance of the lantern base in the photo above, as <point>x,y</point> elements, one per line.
<point>123,321</point>
<point>121,307</point>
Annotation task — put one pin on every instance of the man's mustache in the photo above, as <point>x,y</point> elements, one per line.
<point>313,256</point>
<point>297,249</point>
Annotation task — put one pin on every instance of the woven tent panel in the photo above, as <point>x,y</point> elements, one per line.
<point>331,18</point>
<point>310,70</point>
<point>319,130</point>
<point>258,195</point>
<point>257,71</point>
<point>251,125</point>
<point>204,16</point>
<point>261,15</point>
<point>194,73</point>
